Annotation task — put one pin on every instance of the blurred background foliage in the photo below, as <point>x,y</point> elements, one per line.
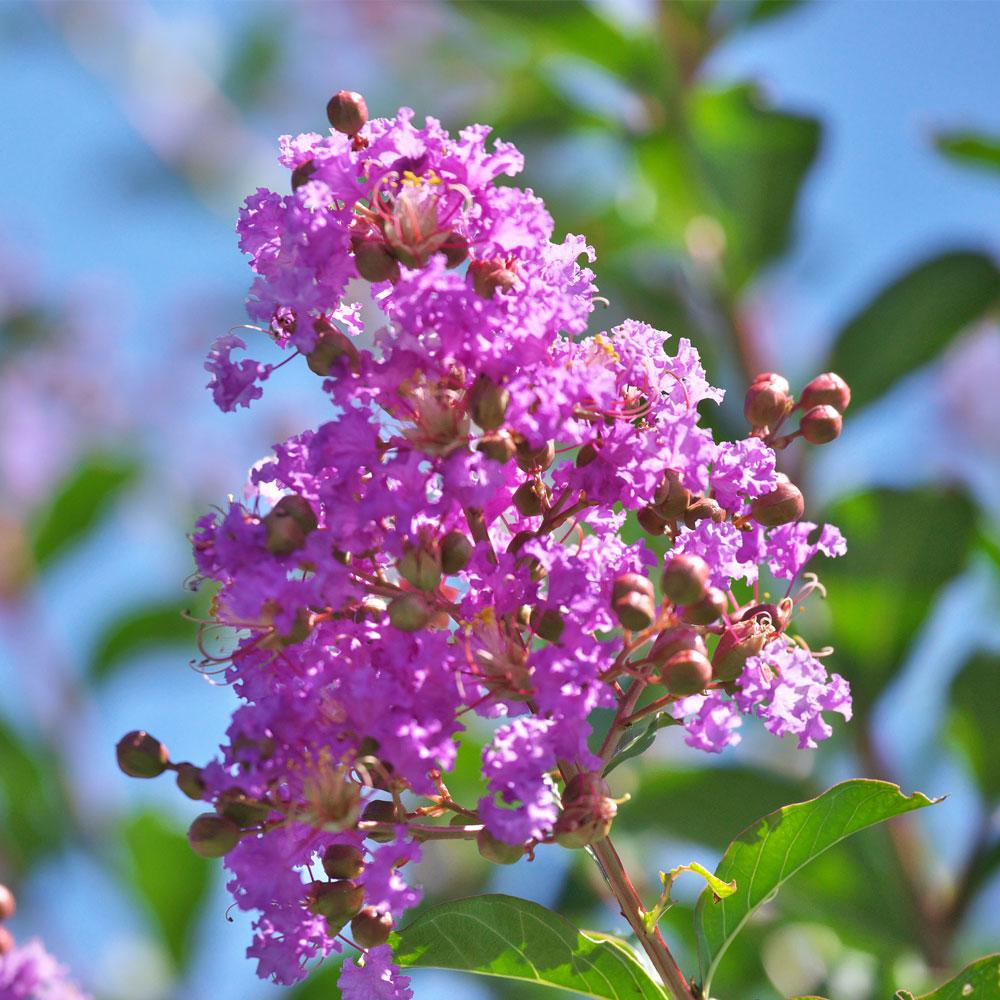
<point>795,187</point>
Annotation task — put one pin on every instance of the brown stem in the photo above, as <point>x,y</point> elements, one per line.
<point>423,831</point>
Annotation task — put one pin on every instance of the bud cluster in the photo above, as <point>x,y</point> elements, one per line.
<point>451,543</point>
<point>823,401</point>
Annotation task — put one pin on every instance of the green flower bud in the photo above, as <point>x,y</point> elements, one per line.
<point>141,755</point>
<point>409,612</point>
<point>685,578</point>
<point>212,835</point>
<point>190,781</point>
<point>488,403</point>
<point>456,551</point>
<point>336,902</point>
<point>686,672</point>
<point>499,852</point>
<point>343,861</point>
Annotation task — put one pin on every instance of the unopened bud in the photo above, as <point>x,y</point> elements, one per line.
<point>244,811</point>
<point>821,424</point>
<point>331,344</point>
<point>703,509</point>
<point>456,551</point>
<point>686,672</point>
<point>497,445</point>
<point>635,611</point>
<point>370,928</point>
<point>488,403</point>
<point>455,249</point>
<point>498,851</point>
<point>6,941</point>
<point>302,173</point>
<point>420,567</point>
<point>212,835</point>
<point>489,275</point>
<point>685,578</point>
<point>342,861</point>
<point>828,389</point>
<point>736,645</point>
<point>141,755</point>
<point>548,624</point>
<point>337,902</point>
<point>782,505</point>
<point>409,612</point>
<point>381,811</point>
<point>7,903</point>
<point>288,524</point>
<point>587,811</point>
<point>674,640</point>
<point>586,454</point>
<point>374,261</point>
<point>530,498</point>
<point>347,112</point>
<point>538,459</point>
<point>672,496</point>
<point>777,616</point>
<point>767,401</point>
<point>629,582</point>
<point>650,521</point>
<point>707,610</point>
<point>190,781</point>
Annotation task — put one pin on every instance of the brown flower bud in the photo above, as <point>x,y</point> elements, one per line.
<point>212,835</point>
<point>455,249</point>
<point>538,459</point>
<point>650,521</point>
<point>628,582</point>
<point>7,903</point>
<point>586,454</point>
<point>499,852</point>
<point>141,755</point>
<point>828,389</point>
<point>587,811</point>
<point>381,811</point>
<point>707,610</point>
<point>685,578</point>
<point>635,611</point>
<point>331,344</point>
<point>782,505</point>
<point>420,566</point>
<point>337,902</point>
<point>488,403</point>
<point>686,672</point>
<point>672,496</point>
<point>6,941</point>
<point>547,624</point>
<point>190,781</point>
<point>342,861</point>
<point>302,173</point>
<point>767,401</point>
<point>489,275</point>
<point>736,645</point>
<point>347,112</point>
<point>244,811</point>
<point>456,551</point>
<point>497,445</point>
<point>374,260</point>
<point>674,640</point>
<point>821,424</point>
<point>530,498</point>
<point>701,509</point>
<point>371,928</point>
<point>409,612</point>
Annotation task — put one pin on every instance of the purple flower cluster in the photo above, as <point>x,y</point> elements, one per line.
<point>29,972</point>
<point>450,543</point>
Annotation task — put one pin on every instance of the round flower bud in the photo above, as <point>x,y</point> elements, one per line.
<point>707,610</point>
<point>650,521</point>
<point>302,173</point>
<point>244,811</point>
<point>212,835</point>
<point>347,112</point>
<point>547,624</point>
<point>587,811</point>
<point>6,941</point>
<point>288,524</point>
<point>374,260</point>
<point>7,903</point>
<point>190,781</point>
<point>342,861</point>
<point>781,506</point>
<point>586,454</point>
<point>455,249</point>
<point>685,578</point>
<point>456,551</point>
<point>381,811</point>
<point>535,459</point>
<point>686,672</point>
<point>528,498</point>
<point>828,389</point>
<point>736,645</point>
<point>672,496</point>
<point>821,424</point>
<point>409,612</point>
<point>331,344</point>
<point>141,755</point>
<point>635,611</point>
<point>674,640</point>
<point>498,851</point>
<point>704,508</point>
<point>420,567</point>
<point>767,401</point>
<point>497,445</point>
<point>628,582</point>
<point>489,275</point>
<point>488,403</point>
<point>370,928</point>
<point>337,902</point>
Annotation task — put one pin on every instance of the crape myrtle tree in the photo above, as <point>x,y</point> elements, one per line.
<point>449,546</point>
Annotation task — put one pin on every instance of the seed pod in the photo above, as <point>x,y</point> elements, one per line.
<point>547,624</point>
<point>498,851</point>
<point>302,173</point>
<point>821,424</point>
<point>347,112</point>
<point>673,640</point>
<point>828,389</point>
<point>650,521</point>
<point>244,811</point>
<point>7,903</point>
<point>767,401</point>
<point>409,612</point>
<point>528,498</point>
<point>685,578</point>
<point>538,459</point>
<point>702,509</point>
<point>736,645</point>
<point>782,505</point>
<point>190,781</point>
<point>212,835</point>
<point>370,928</point>
<point>707,610</point>
<point>497,445</point>
<point>338,902</point>
<point>374,260</point>
<point>456,551</point>
<point>141,755</point>
<point>343,861</point>
<point>488,403</point>
<point>420,566</point>
<point>381,811</point>
<point>686,672</point>
<point>672,496</point>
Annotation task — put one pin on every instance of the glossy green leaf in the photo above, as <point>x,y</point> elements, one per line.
<point>168,877</point>
<point>516,939</point>
<point>970,148</point>
<point>772,850</point>
<point>908,323</point>
<point>902,547</point>
<point>80,503</point>
<point>978,981</point>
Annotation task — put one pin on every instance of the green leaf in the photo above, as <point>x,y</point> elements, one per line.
<point>639,739</point>
<point>970,148</point>
<point>974,726</point>
<point>516,939</point>
<point>772,850</point>
<point>908,323</point>
<point>80,503</point>
<point>880,592</point>
<point>168,877</point>
<point>978,981</point>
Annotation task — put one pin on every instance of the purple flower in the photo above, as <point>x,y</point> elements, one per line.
<point>29,972</point>
<point>374,977</point>
<point>234,383</point>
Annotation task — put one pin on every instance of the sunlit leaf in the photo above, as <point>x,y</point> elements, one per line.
<point>516,939</point>
<point>978,981</point>
<point>970,148</point>
<point>769,852</point>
